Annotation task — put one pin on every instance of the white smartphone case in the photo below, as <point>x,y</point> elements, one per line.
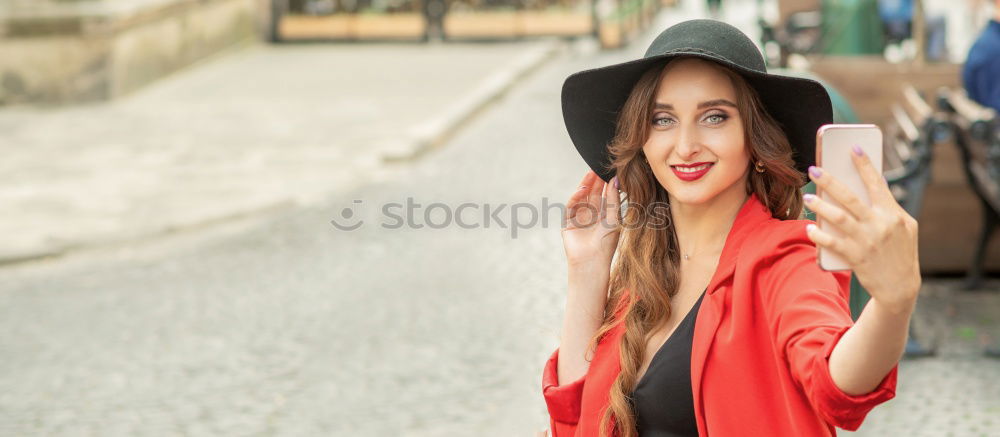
<point>834,143</point>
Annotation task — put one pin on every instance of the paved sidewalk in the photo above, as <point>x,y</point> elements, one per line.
<point>957,391</point>
<point>261,128</point>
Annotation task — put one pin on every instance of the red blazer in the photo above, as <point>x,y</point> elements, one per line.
<point>762,339</point>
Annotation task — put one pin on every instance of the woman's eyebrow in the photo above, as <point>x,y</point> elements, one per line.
<point>702,105</point>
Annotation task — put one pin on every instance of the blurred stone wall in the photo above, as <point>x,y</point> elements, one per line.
<point>54,52</point>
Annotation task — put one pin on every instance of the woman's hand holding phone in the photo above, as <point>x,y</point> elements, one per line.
<point>878,242</point>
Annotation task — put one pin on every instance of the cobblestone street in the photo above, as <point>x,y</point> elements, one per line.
<point>279,324</point>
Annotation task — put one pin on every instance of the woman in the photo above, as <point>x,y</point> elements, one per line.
<point>716,319</point>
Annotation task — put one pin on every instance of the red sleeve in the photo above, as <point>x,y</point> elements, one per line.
<point>563,401</point>
<point>808,312</point>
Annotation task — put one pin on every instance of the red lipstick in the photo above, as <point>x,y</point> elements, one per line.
<point>703,167</point>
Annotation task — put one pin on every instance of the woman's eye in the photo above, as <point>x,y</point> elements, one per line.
<point>661,121</point>
<point>718,118</point>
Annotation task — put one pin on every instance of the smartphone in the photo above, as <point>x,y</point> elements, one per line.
<point>833,153</point>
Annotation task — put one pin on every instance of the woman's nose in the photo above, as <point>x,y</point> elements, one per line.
<point>688,142</point>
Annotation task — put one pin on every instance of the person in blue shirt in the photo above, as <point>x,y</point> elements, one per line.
<point>981,72</point>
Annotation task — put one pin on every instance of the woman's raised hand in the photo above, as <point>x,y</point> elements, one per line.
<point>590,229</point>
<point>590,236</point>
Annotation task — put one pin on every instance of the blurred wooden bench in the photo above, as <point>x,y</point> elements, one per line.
<point>977,134</point>
<point>908,143</point>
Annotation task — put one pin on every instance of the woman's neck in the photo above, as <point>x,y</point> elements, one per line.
<point>702,228</point>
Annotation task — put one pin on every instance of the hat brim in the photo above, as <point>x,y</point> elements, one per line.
<point>591,100</point>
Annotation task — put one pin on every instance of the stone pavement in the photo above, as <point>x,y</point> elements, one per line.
<point>278,324</point>
<point>262,128</point>
<point>956,392</point>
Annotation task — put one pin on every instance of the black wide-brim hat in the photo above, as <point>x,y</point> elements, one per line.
<point>591,99</point>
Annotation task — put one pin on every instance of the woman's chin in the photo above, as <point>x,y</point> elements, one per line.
<point>690,195</point>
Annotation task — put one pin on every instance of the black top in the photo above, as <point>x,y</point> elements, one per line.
<point>662,399</point>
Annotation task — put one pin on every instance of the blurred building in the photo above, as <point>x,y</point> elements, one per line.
<point>58,51</point>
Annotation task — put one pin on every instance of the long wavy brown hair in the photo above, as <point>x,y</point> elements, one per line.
<point>648,260</point>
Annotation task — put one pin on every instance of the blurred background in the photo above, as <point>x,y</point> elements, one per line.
<point>193,197</point>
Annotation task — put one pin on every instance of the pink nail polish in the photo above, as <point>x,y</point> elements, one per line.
<point>858,151</point>
<point>815,171</point>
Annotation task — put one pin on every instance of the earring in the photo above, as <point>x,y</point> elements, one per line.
<point>759,166</point>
